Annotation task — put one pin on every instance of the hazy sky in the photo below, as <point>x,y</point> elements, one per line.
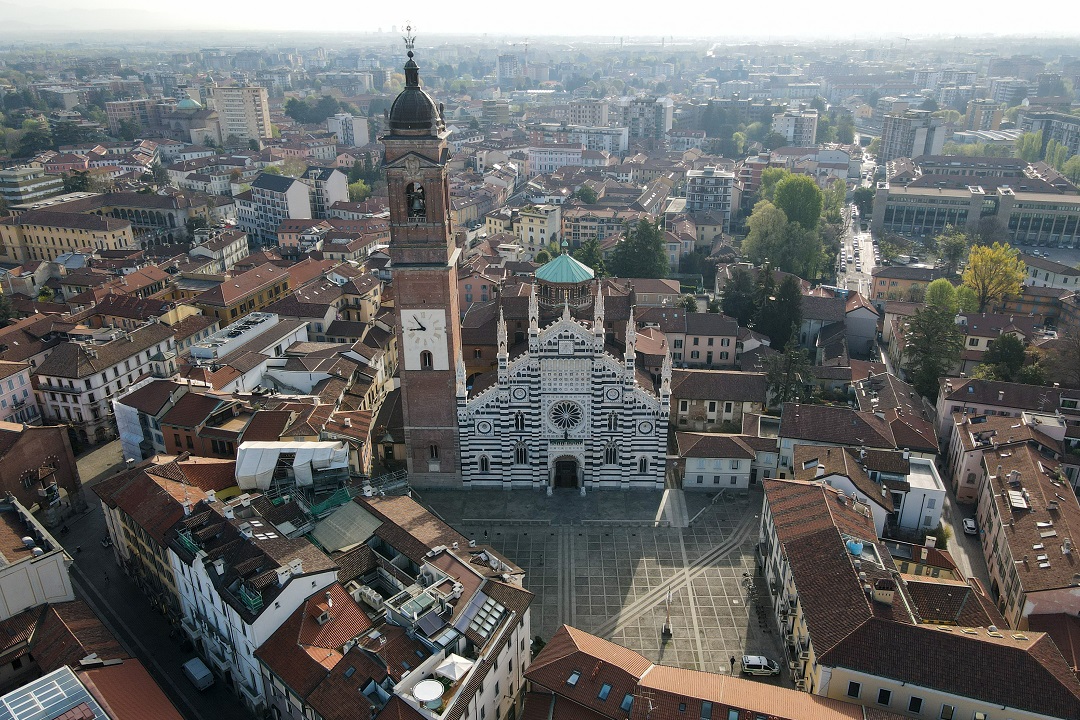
<point>632,18</point>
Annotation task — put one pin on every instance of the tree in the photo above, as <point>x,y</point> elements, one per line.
<point>192,224</point>
<point>845,130</point>
<point>641,254</point>
<point>863,197</point>
<point>1006,356</point>
<point>942,294</point>
<point>738,296</point>
<point>1062,362</point>
<point>966,299</point>
<point>6,311</point>
<point>590,254</point>
<point>311,113</point>
<point>952,247</point>
<point>160,174</point>
<point>45,294</point>
<point>128,129</point>
<point>713,306</point>
<point>33,141</point>
<point>358,191</point>
<point>1030,146</point>
<point>1071,169</point>
<point>770,178</point>
<point>993,272</point>
<point>542,257</point>
<point>767,225</point>
<point>293,167</point>
<point>932,348</point>
<point>801,200</point>
<point>787,374</point>
<point>874,148</point>
<point>689,303</point>
<point>834,197</point>
<point>989,230</point>
<point>586,195</point>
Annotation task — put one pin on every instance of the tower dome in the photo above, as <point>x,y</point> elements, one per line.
<point>413,109</point>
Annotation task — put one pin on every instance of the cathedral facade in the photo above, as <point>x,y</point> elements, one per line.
<point>566,413</point>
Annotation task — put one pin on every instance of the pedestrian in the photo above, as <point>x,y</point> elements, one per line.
<point>106,577</point>
<point>732,661</point>
<point>78,548</point>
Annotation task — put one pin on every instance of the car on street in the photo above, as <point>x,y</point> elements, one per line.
<point>970,528</point>
<point>759,665</point>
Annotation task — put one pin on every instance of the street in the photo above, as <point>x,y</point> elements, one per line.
<point>125,610</point>
<point>965,549</point>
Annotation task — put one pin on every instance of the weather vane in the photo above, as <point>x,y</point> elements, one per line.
<point>410,39</point>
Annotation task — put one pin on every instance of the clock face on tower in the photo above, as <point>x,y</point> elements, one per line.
<point>423,336</point>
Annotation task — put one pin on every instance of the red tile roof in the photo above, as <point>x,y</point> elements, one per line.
<point>127,692</point>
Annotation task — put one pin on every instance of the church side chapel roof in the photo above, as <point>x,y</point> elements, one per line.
<point>564,270</point>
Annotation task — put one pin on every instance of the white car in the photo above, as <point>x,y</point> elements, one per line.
<point>970,528</point>
<point>759,665</point>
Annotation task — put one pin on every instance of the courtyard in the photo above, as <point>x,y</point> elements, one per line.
<point>618,564</point>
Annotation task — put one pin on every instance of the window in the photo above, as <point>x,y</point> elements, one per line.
<point>706,710</point>
<point>914,705</point>
<point>427,361</point>
<point>521,455</point>
<point>604,690</point>
<point>190,444</point>
<point>477,354</point>
<point>710,342</point>
<point>682,707</point>
<point>854,689</point>
<point>973,342</point>
<point>735,464</point>
<point>643,465</point>
<point>694,354</point>
<point>433,452</point>
<point>627,702</point>
<point>884,696</point>
<point>684,405</point>
<point>931,503</point>
<point>611,454</point>
<point>678,343</point>
<point>695,341</point>
<point>574,677</point>
<point>519,421</point>
<point>485,464</point>
<point>947,712</point>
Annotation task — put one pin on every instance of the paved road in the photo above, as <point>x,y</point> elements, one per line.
<point>125,610</point>
<point>965,549</point>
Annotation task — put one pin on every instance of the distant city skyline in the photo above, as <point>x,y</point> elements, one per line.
<point>784,20</point>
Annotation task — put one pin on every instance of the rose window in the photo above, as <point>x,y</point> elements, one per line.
<point>566,415</point>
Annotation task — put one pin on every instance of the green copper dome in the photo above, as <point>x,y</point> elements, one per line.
<point>564,270</point>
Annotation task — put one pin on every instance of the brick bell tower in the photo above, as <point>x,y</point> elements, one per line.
<point>424,259</point>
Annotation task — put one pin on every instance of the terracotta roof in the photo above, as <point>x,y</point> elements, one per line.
<point>836,425</point>
<point>719,385</point>
<point>150,398</point>
<point>710,445</point>
<point>209,473</point>
<point>340,694</point>
<point>305,648</point>
<point>811,462</point>
<point>193,409</point>
<point>51,218</point>
<point>127,692</point>
<point>74,360</point>
<point>242,285</point>
<point>409,527</point>
<point>1038,680</point>
<point>70,631</point>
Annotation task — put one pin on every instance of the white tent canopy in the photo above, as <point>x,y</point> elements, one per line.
<point>256,461</point>
<point>454,667</point>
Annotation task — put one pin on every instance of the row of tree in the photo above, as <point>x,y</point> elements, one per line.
<point>785,225</point>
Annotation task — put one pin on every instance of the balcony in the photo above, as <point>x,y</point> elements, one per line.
<point>251,600</point>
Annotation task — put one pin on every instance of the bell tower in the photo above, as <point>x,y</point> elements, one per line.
<point>424,258</point>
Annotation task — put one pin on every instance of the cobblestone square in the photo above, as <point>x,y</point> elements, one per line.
<point>607,562</point>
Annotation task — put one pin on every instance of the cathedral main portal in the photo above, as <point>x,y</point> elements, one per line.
<point>566,473</point>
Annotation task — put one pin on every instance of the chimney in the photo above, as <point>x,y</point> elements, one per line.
<point>819,471</point>
<point>347,422</point>
<point>219,566</point>
<point>211,496</point>
<point>329,599</point>
<point>1001,395</point>
<point>931,541</point>
<point>884,588</point>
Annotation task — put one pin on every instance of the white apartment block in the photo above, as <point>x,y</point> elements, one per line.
<point>549,158</point>
<point>351,130</point>
<point>272,199</point>
<point>711,190</point>
<point>588,112</point>
<point>612,140</point>
<point>799,127</point>
<point>647,118</point>
<point>79,378</point>
<point>242,111</point>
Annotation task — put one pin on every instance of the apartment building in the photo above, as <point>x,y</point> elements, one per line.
<point>237,296</point>
<point>221,553</point>
<point>45,234</point>
<point>581,223</point>
<point>974,396</point>
<point>548,158</point>
<point>799,127</point>
<point>588,112</point>
<point>911,134</point>
<point>243,112</point>
<point>18,404</point>
<point>704,400</point>
<point>535,226</point>
<point>141,111</point>
<point>1026,515</point>
<point>271,199</point>
<point>351,131</point>
<point>711,190</point>
<point>328,186</point>
<point>646,118</point>
<point>27,184</point>
<point>1054,126</point>
<point>983,114</point>
<point>225,246</point>
<point>79,378</point>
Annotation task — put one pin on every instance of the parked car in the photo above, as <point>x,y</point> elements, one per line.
<point>759,665</point>
<point>197,672</point>
<point>970,528</point>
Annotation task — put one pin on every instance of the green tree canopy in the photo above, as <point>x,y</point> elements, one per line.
<point>689,302</point>
<point>738,296</point>
<point>942,294</point>
<point>1004,358</point>
<point>801,200</point>
<point>586,195</point>
<point>770,178</point>
<point>641,254</point>
<point>952,246</point>
<point>834,201</point>
<point>932,348</point>
<point>1030,146</point>
<point>359,191</point>
<point>993,272</point>
<point>966,299</point>
<point>863,197</point>
<point>590,254</point>
<point>788,374</point>
<point>311,111</point>
<point>541,257</point>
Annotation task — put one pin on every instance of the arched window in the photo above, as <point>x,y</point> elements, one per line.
<point>414,201</point>
<point>613,421</point>
<point>427,360</point>
<point>485,464</point>
<point>643,465</point>
<point>521,455</point>
<point>519,421</point>
<point>433,452</point>
<point>611,454</point>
